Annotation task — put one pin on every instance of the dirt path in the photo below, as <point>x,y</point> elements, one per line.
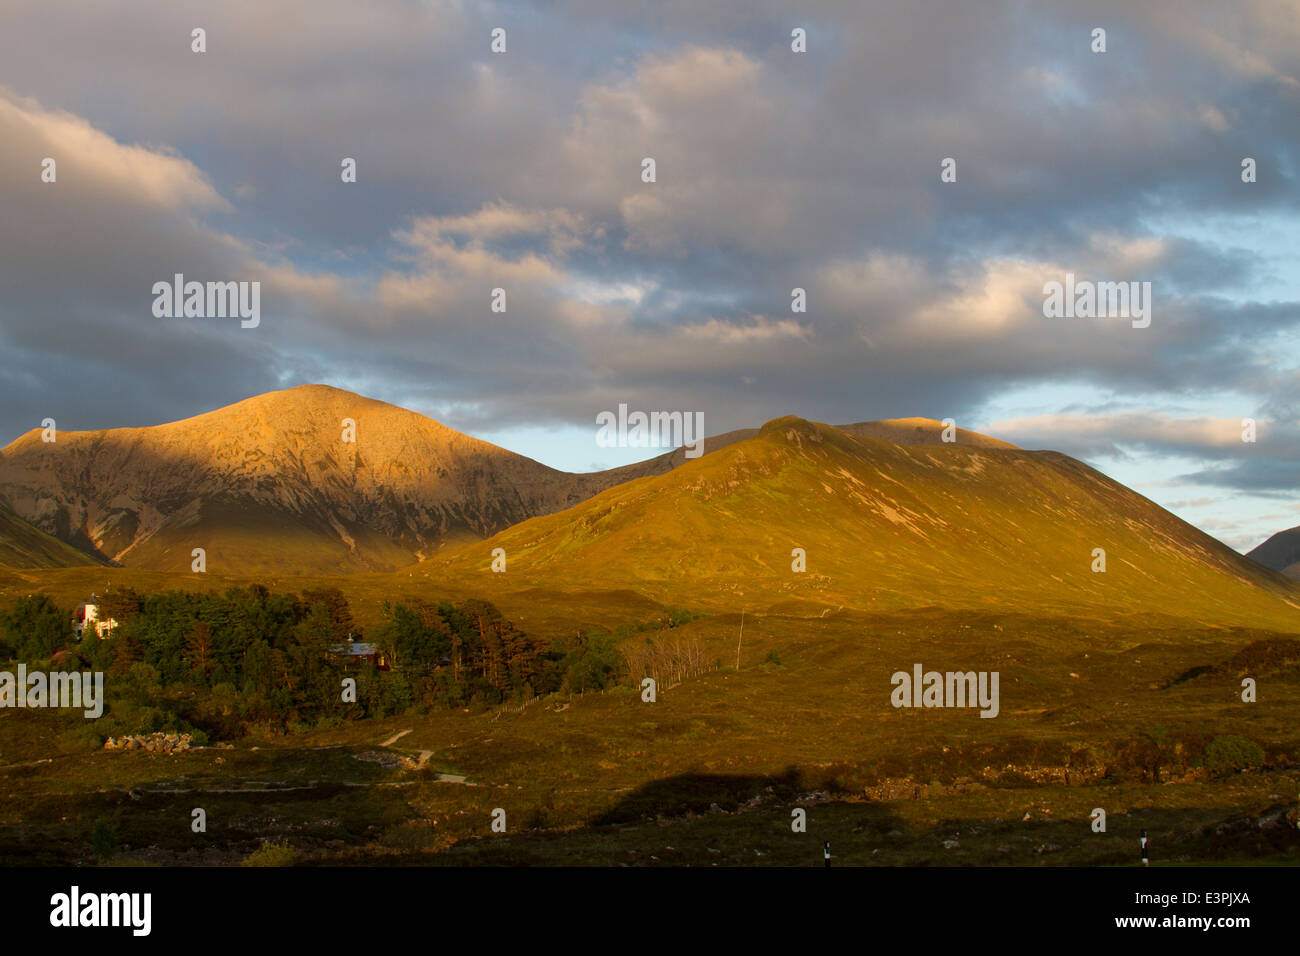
<point>395,738</point>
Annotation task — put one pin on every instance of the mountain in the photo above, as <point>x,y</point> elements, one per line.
<point>24,546</point>
<point>888,513</point>
<point>921,431</point>
<point>883,525</point>
<point>1280,552</point>
<point>268,484</point>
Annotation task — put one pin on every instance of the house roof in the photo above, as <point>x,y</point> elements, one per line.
<point>356,649</point>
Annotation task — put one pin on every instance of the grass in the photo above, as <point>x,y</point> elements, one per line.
<point>606,779</point>
<point>23,545</point>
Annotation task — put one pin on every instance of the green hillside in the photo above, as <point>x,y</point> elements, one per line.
<point>884,526</point>
<point>23,546</point>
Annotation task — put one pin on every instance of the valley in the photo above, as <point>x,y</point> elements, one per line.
<point>772,589</point>
<point>710,772</point>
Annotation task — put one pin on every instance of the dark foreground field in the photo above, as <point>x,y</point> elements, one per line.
<point>1142,719</point>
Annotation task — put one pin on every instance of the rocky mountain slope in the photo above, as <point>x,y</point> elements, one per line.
<point>270,483</point>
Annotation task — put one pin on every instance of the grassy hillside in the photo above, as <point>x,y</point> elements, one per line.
<point>23,546</point>
<point>883,526</point>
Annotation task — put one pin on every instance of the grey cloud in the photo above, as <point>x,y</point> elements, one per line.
<point>775,171</point>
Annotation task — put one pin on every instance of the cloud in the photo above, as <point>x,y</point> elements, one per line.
<point>89,163</point>
<point>78,259</point>
<point>775,170</point>
<point>758,329</point>
<point>1271,463</point>
<point>1105,434</point>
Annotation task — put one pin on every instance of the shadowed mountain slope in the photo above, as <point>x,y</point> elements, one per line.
<point>1281,552</point>
<point>24,546</point>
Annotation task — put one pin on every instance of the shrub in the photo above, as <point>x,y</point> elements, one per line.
<point>1231,754</point>
<point>536,819</point>
<point>1263,655</point>
<point>409,836</point>
<point>1138,759</point>
<point>103,839</point>
<point>80,740</point>
<point>278,853</point>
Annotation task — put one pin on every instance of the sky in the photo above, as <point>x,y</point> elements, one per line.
<point>774,170</point>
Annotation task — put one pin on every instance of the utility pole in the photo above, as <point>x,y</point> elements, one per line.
<point>742,637</point>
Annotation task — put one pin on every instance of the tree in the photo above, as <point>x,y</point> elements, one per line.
<point>198,648</point>
<point>334,609</point>
<point>35,627</point>
<point>129,652</point>
<point>122,605</point>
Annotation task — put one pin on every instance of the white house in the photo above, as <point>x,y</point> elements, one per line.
<point>88,614</point>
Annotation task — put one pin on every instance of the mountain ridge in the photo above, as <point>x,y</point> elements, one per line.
<point>883,526</point>
<point>278,464</point>
<point>270,483</point>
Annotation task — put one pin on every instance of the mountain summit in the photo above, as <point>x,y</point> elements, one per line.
<point>309,479</point>
<point>273,483</point>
